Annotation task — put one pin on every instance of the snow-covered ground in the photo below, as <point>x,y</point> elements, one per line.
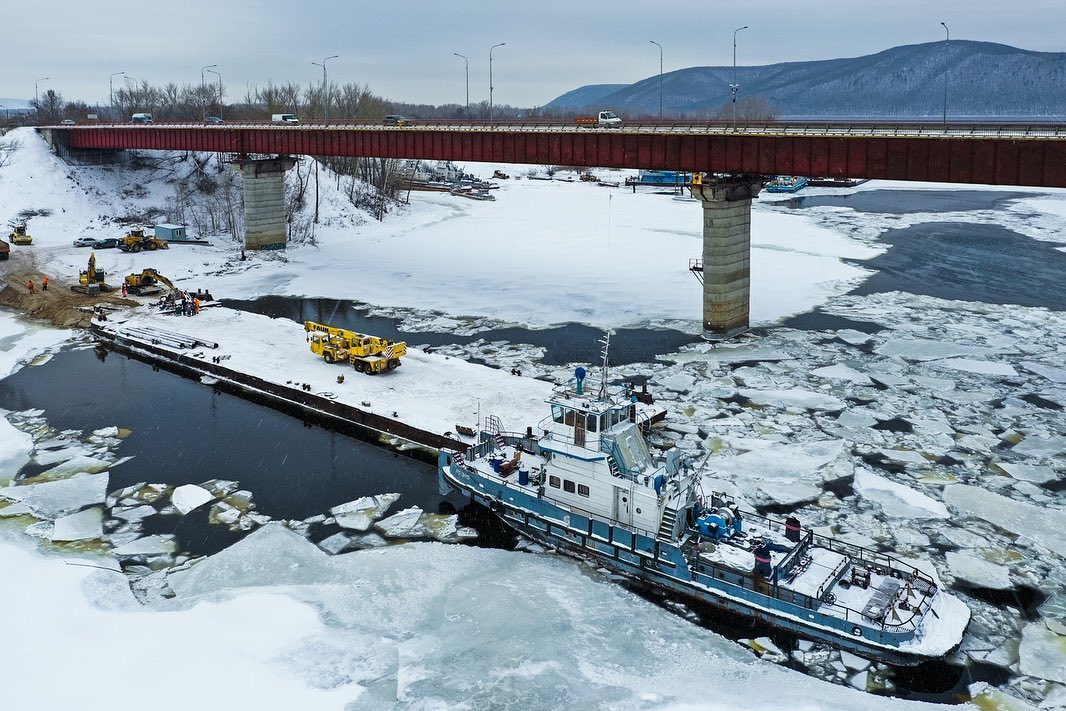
<point>934,435</point>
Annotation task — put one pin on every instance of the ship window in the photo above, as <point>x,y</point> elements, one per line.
<point>557,414</point>
<point>553,481</point>
<point>568,486</point>
<point>568,417</point>
<point>583,490</point>
<point>592,423</point>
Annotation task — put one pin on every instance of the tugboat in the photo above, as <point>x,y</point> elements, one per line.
<point>586,484</point>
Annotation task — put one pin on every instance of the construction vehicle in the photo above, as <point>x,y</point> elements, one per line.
<point>18,234</point>
<point>91,281</point>
<point>147,283</point>
<point>367,354</point>
<point>136,240</point>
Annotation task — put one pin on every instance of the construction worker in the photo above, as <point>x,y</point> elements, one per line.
<point>123,290</point>
<point>44,284</point>
<point>29,285</point>
<point>196,305</point>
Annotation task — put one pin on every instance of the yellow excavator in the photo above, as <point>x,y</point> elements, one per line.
<point>91,280</point>
<point>147,282</point>
<point>367,354</point>
<point>136,240</point>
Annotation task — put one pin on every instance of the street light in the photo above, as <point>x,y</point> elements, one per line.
<point>735,86</point>
<point>490,76</point>
<point>947,39</point>
<point>219,91</point>
<point>37,101</point>
<point>660,77</point>
<point>325,86</point>
<point>111,92</point>
<point>203,92</point>
<point>467,81</point>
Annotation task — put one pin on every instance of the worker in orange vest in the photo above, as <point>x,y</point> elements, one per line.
<point>44,284</point>
<point>29,285</point>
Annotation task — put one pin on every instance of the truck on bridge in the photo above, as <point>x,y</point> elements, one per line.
<point>605,119</point>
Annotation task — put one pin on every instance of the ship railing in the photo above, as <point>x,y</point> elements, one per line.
<point>882,563</point>
<point>833,613</point>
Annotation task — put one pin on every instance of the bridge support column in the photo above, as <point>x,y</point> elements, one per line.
<point>726,253</point>
<point>264,202</point>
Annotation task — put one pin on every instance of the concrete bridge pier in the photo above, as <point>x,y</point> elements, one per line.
<point>726,261</point>
<point>264,201</point>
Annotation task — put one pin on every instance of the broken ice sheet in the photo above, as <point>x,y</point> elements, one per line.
<point>359,515</point>
<point>56,498</point>
<point>842,372</point>
<point>921,349</point>
<point>1042,653</point>
<point>979,367</point>
<point>1028,472</point>
<point>979,571</point>
<point>190,496</point>
<point>80,526</point>
<point>897,500</point>
<point>1046,527</point>
<point>794,397</point>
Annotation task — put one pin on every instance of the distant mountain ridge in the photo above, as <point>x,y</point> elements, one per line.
<point>984,80</point>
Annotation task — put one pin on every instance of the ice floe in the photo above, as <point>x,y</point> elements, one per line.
<point>80,526</point>
<point>896,500</point>
<point>57,498</point>
<point>190,496</point>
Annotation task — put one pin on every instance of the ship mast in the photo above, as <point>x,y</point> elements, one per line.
<point>604,367</point>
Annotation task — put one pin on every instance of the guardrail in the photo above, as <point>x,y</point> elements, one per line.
<point>853,129</point>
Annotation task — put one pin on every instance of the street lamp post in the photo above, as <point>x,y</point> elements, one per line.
<point>660,77</point>
<point>36,100</point>
<point>735,86</point>
<point>203,92</point>
<point>219,91</point>
<point>325,86</point>
<point>467,81</point>
<point>111,92</point>
<point>490,76</point>
<point>947,40</point>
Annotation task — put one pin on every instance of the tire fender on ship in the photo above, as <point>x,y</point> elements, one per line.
<point>495,506</point>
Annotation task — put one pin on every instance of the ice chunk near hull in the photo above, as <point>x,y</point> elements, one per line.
<point>359,515</point>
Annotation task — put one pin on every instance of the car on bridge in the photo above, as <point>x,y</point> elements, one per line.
<point>213,119</point>
<point>68,122</point>
<point>398,120</point>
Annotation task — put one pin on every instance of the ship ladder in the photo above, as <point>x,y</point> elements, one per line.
<point>666,526</point>
<point>613,466</point>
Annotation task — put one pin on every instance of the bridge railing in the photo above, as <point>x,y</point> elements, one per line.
<point>902,129</point>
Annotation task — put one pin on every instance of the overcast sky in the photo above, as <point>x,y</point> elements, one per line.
<point>402,49</point>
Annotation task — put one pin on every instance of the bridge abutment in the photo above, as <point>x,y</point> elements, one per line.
<point>726,206</point>
<point>265,226</point>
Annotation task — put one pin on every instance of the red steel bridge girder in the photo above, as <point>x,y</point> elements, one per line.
<point>1036,162</point>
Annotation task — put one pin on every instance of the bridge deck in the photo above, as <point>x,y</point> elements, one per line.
<point>997,154</point>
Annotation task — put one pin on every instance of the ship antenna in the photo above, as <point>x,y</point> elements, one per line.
<point>606,342</point>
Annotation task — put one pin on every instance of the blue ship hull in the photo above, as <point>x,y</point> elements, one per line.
<point>662,564</point>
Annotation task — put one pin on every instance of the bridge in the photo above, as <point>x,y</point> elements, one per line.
<point>735,158</point>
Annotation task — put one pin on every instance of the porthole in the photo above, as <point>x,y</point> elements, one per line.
<point>638,510</point>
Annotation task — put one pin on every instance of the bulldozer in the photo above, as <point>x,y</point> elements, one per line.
<point>91,281</point>
<point>18,234</point>
<point>136,240</point>
<point>147,282</point>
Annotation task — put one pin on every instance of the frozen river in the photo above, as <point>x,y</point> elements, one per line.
<point>912,414</point>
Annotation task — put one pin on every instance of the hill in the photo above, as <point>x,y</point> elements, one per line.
<point>984,79</point>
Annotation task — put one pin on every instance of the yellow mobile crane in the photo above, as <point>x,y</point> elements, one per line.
<point>367,354</point>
